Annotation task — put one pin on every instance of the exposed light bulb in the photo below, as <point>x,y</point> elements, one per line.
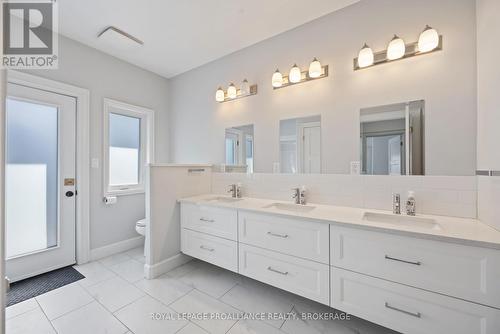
<point>428,40</point>
<point>277,79</point>
<point>245,88</point>
<point>365,57</point>
<point>219,95</point>
<point>396,48</point>
<point>231,91</point>
<point>315,69</point>
<point>295,75</point>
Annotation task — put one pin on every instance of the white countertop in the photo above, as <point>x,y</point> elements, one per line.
<point>458,230</point>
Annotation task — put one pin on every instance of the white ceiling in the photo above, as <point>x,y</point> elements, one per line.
<point>180,35</point>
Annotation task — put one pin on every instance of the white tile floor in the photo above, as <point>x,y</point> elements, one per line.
<point>115,299</point>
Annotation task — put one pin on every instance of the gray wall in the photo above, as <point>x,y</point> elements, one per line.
<point>445,80</point>
<point>107,76</point>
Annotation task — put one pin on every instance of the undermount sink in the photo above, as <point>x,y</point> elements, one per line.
<point>399,220</point>
<point>290,207</point>
<point>224,199</point>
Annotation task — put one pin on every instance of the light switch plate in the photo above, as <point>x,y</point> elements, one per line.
<point>94,163</point>
<point>355,167</point>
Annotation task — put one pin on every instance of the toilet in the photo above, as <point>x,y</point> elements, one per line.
<point>140,227</point>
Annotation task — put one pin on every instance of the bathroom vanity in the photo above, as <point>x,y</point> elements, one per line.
<point>423,274</point>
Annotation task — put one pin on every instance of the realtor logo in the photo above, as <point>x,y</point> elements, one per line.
<point>30,36</point>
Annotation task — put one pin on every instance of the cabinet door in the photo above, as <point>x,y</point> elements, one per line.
<point>302,277</point>
<point>301,238</point>
<point>218,251</point>
<point>409,310</point>
<point>470,273</point>
<point>211,220</point>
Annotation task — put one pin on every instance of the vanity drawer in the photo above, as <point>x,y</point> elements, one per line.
<point>218,251</point>
<point>409,310</point>
<point>211,220</point>
<point>466,272</point>
<point>305,239</point>
<point>302,277</point>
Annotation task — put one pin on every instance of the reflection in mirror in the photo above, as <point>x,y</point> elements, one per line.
<point>392,139</point>
<point>239,149</point>
<point>300,145</point>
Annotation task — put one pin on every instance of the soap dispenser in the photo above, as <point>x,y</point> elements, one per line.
<point>410,204</point>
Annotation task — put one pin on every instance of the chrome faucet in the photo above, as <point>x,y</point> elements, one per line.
<point>396,204</point>
<point>235,190</point>
<point>299,195</point>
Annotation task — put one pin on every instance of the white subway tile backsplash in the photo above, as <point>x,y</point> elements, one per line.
<point>440,195</point>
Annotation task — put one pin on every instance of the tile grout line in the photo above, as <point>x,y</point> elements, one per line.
<point>50,322</point>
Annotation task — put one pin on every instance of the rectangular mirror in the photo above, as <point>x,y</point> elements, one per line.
<point>392,139</point>
<point>300,145</point>
<point>239,149</point>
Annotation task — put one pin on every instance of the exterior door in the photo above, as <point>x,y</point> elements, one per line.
<point>40,185</point>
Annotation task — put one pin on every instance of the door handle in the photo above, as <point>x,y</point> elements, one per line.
<point>69,193</point>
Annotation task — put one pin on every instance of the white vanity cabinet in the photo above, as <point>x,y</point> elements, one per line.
<point>210,234</point>
<point>406,283</point>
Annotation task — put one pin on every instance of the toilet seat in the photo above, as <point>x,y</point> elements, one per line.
<point>140,227</point>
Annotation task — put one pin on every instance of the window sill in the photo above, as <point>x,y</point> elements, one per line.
<point>125,192</point>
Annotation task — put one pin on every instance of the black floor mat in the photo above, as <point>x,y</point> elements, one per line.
<point>37,285</point>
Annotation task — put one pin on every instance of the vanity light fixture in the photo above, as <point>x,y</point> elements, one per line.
<point>396,48</point>
<point>296,76</point>
<point>277,79</point>
<point>365,56</point>
<point>233,93</point>
<point>219,95</point>
<point>245,87</point>
<point>428,42</point>
<point>315,68</point>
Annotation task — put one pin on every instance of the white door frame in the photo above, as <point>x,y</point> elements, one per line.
<point>300,142</point>
<point>82,97</point>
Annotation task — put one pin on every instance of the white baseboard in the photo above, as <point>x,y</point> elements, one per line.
<point>119,247</point>
<point>158,269</point>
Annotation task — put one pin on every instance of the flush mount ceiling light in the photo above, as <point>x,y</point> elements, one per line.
<point>296,76</point>
<point>396,48</point>
<point>277,79</point>
<point>233,93</point>
<point>428,42</point>
<point>118,38</point>
<point>365,57</point>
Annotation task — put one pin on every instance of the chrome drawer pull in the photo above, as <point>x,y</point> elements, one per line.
<point>416,315</point>
<point>207,220</point>
<point>277,271</point>
<point>418,263</point>
<point>206,248</point>
<point>284,236</point>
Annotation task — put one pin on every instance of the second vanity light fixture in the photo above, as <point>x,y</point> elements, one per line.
<point>429,41</point>
<point>295,76</point>
<point>233,93</point>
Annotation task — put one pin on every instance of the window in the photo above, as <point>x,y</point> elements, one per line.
<point>128,141</point>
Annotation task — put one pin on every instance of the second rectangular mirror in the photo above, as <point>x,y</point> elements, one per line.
<point>300,145</point>
<point>239,149</point>
<point>392,139</point>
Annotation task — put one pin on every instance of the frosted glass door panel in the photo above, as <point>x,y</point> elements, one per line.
<point>31,196</point>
